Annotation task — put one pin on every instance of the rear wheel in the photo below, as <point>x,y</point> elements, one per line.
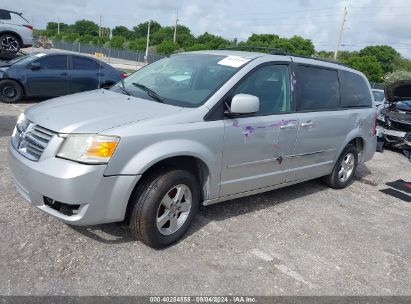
<point>344,169</point>
<point>163,207</point>
<point>9,44</point>
<point>10,91</point>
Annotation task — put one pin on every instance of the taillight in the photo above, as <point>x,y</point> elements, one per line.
<point>375,123</point>
<point>28,26</point>
<point>123,75</point>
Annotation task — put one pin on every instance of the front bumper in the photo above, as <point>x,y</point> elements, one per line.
<point>101,199</point>
<point>395,138</point>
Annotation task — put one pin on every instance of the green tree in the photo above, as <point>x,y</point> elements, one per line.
<point>52,28</point>
<point>117,42</point>
<point>369,65</point>
<point>86,39</point>
<point>402,64</point>
<point>295,44</point>
<point>71,37</point>
<point>211,41</point>
<point>85,27</point>
<point>140,30</point>
<point>138,44</point>
<point>384,54</point>
<point>164,33</point>
<point>122,31</point>
<point>166,47</point>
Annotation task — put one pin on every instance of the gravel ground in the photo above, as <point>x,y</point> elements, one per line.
<point>306,239</point>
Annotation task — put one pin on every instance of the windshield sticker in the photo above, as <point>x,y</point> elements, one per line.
<point>40,55</point>
<point>234,61</point>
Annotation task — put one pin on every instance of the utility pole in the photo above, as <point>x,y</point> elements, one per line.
<point>341,32</point>
<point>175,28</point>
<point>148,40</point>
<point>58,25</point>
<point>99,28</point>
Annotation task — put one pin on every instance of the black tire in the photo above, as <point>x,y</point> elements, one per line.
<point>9,44</point>
<point>146,203</point>
<point>334,179</point>
<point>10,91</point>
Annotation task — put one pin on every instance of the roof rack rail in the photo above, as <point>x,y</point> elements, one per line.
<point>275,51</point>
<point>318,58</point>
<point>272,51</point>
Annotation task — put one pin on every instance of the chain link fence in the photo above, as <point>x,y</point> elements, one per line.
<point>107,51</point>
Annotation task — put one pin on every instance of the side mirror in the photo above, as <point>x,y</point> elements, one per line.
<point>34,66</point>
<point>244,104</point>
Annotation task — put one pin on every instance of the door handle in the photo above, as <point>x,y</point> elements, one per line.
<point>307,124</point>
<point>64,74</point>
<point>100,74</point>
<point>288,126</point>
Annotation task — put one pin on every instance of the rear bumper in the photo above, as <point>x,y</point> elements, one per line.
<point>100,199</point>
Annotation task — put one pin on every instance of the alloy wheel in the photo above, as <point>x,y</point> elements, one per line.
<point>10,43</point>
<point>346,167</point>
<point>174,209</point>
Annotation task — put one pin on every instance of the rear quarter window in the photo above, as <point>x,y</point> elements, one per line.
<point>354,91</point>
<point>5,15</point>
<point>81,63</point>
<point>317,89</point>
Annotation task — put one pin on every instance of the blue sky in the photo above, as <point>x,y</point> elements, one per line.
<point>368,21</point>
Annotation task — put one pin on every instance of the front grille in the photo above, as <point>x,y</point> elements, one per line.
<point>31,141</point>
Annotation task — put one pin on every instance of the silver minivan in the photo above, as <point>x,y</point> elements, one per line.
<point>188,130</point>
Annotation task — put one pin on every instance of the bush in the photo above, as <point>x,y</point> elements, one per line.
<point>166,47</point>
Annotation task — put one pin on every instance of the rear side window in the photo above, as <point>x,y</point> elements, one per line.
<point>81,63</point>
<point>5,15</point>
<point>317,89</point>
<point>58,62</point>
<point>354,91</point>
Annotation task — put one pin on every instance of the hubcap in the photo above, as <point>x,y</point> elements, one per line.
<point>9,43</point>
<point>8,92</point>
<point>174,209</point>
<point>346,167</point>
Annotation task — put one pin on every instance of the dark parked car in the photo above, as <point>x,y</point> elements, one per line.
<point>53,74</point>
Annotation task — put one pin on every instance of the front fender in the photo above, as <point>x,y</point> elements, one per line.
<point>159,151</point>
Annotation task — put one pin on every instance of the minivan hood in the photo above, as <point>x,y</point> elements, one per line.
<point>95,111</point>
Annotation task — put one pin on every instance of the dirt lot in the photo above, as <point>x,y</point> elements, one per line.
<point>302,240</point>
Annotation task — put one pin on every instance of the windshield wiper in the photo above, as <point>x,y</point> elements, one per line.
<point>149,91</point>
<point>123,88</point>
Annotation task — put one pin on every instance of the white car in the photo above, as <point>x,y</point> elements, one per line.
<point>15,32</point>
<point>379,97</point>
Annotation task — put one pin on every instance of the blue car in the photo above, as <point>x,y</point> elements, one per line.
<point>52,75</point>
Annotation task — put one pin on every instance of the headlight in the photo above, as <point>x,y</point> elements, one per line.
<point>88,148</point>
<point>380,117</point>
<point>22,122</point>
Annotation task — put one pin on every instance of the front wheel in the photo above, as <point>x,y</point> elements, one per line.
<point>344,169</point>
<point>163,207</point>
<point>10,91</point>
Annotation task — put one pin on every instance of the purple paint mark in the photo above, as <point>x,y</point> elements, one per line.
<point>248,130</point>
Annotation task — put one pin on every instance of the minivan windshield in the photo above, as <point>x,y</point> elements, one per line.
<point>185,80</point>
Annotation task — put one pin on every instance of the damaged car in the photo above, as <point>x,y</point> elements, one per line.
<point>394,120</point>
